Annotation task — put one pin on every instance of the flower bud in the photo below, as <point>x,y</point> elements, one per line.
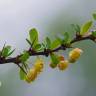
<point>63,65</point>
<point>61,57</point>
<point>74,55</point>
<point>31,75</point>
<point>52,65</point>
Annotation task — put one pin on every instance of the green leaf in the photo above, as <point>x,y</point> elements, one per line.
<point>66,38</point>
<point>55,44</point>
<point>22,74</point>
<point>37,47</point>
<point>94,16</point>
<point>59,39</point>
<point>48,42</point>
<point>54,58</point>
<point>6,50</point>
<point>10,52</point>
<point>33,36</point>
<point>86,27</point>
<point>94,33</point>
<point>43,45</point>
<point>76,27</point>
<point>25,56</point>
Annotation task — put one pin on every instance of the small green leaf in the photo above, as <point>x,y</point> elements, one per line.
<point>94,33</point>
<point>21,74</point>
<point>25,56</point>
<point>55,44</point>
<point>37,47</point>
<point>10,52</point>
<point>94,16</point>
<point>6,50</point>
<point>59,39</point>
<point>76,27</point>
<point>33,36</point>
<point>66,38</point>
<point>86,27</point>
<point>54,58</point>
<point>48,42</point>
<point>43,45</point>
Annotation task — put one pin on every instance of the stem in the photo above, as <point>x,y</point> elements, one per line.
<point>21,68</point>
<point>47,51</point>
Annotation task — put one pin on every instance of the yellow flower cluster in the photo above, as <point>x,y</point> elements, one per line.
<point>31,75</point>
<point>63,65</point>
<point>61,58</point>
<point>34,71</point>
<point>73,56</point>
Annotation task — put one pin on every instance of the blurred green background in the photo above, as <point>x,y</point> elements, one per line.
<point>50,17</point>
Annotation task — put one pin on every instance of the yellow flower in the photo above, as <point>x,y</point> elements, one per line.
<point>33,72</point>
<point>31,75</point>
<point>61,57</point>
<point>74,55</point>
<point>39,64</point>
<point>63,65</point>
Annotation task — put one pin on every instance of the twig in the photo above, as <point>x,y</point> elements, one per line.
<point>47,51</point>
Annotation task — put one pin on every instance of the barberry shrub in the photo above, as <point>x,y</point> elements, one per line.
<point>48,48</point>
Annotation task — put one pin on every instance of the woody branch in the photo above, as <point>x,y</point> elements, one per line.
<point>46,52</point>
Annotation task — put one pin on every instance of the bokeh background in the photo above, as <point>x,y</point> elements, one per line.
<point>50,17</point>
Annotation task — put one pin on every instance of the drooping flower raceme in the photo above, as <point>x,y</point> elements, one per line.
<point>31,75</point>
<point>34,71</point>
<point>74,55</point>
<point>63,65</point>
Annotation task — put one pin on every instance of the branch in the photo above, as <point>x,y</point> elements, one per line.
<point>46,52</point>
